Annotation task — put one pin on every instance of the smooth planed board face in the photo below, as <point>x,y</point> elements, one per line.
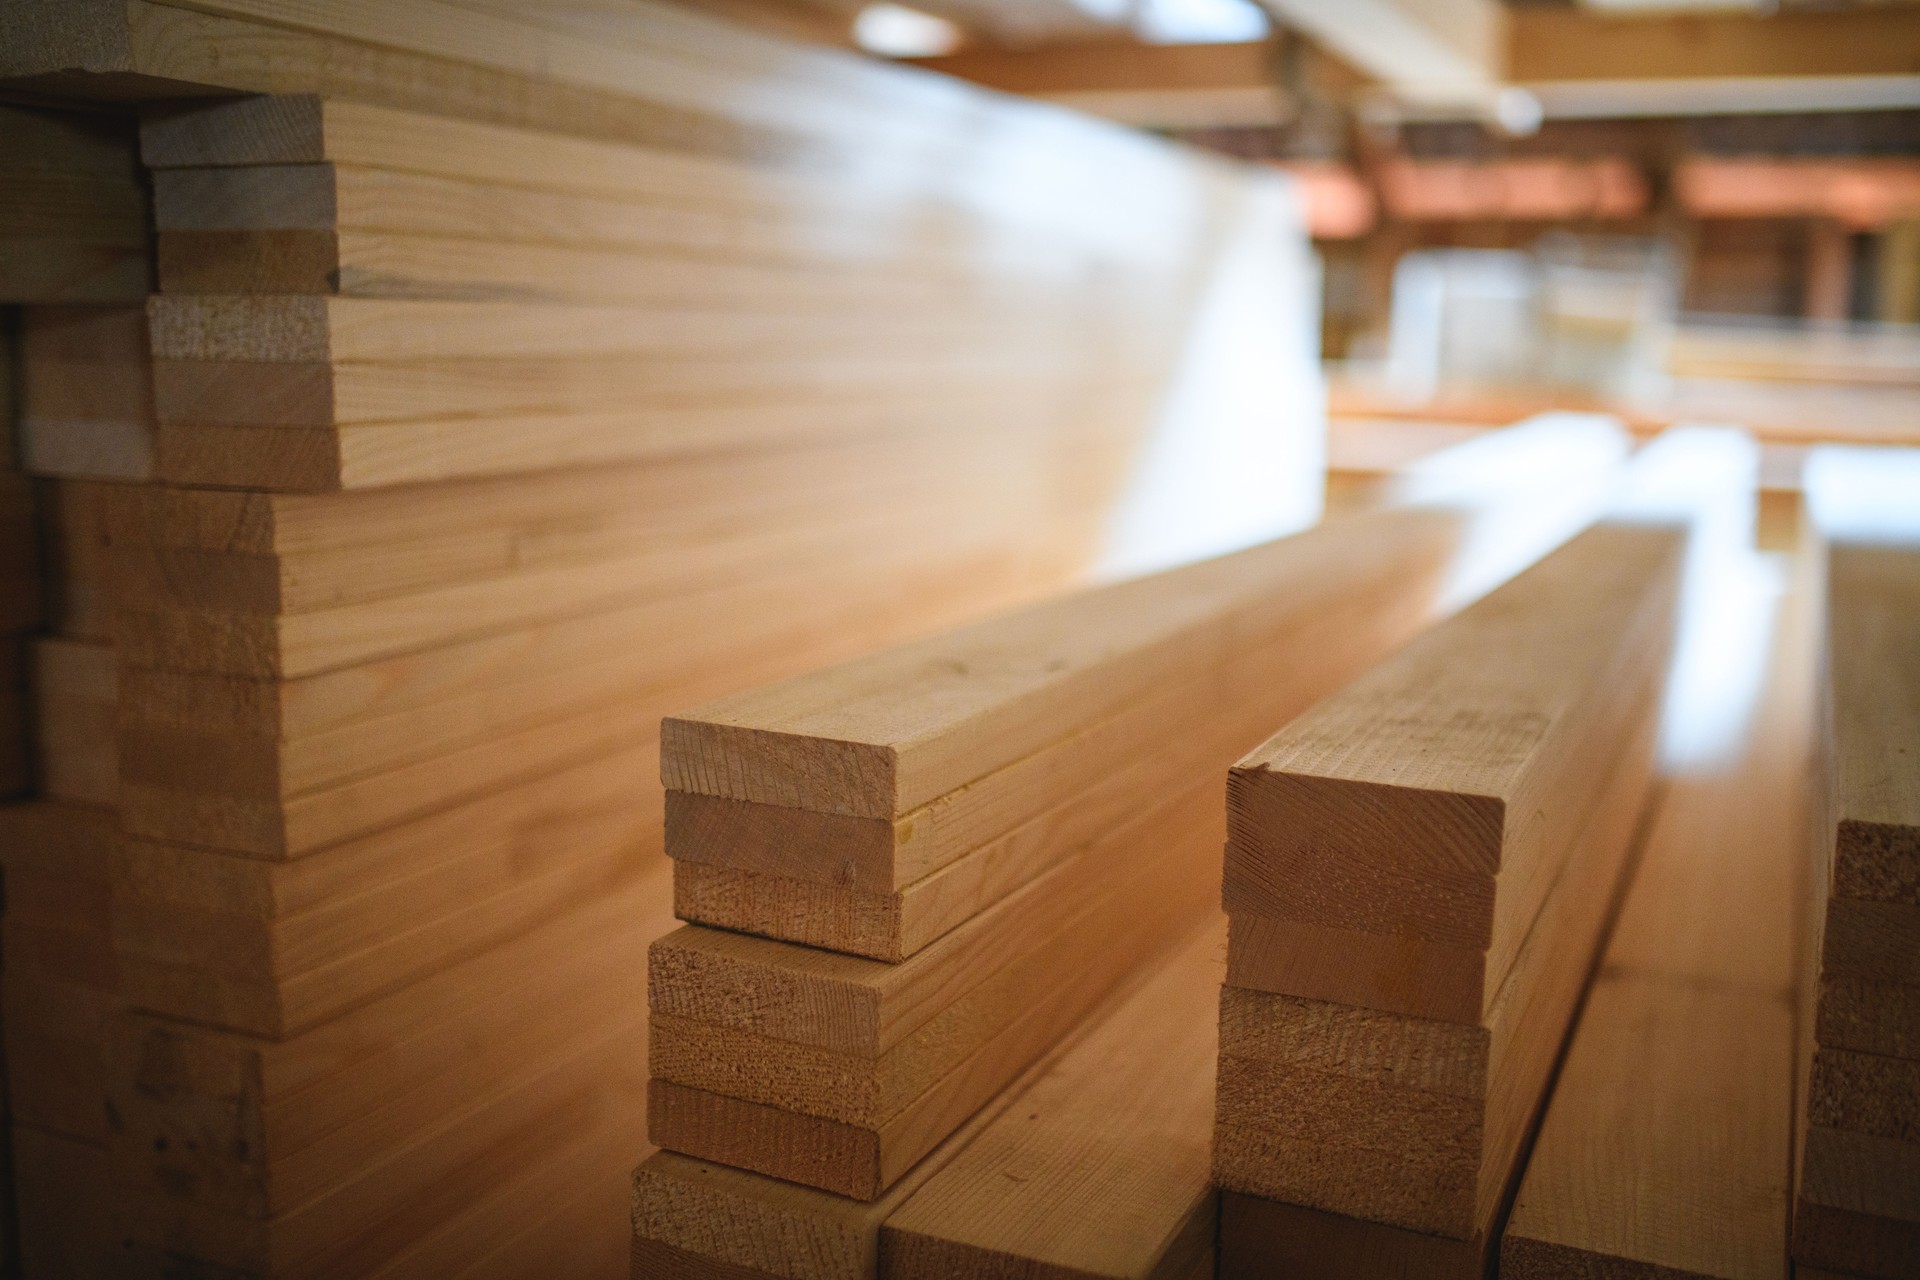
<point>883,734</point>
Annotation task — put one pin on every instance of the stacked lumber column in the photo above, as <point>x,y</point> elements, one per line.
<point>521,376</point>
<point>74,261</point>
<point>383,751</point>
<point>62,977</point>
<point>977,837</point>
<point>1418,873</point>
<point>1857,1204</point>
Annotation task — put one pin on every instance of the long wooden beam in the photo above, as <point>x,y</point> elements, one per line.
<point>1554,44</point>
<point>1418,872</point>
<point>1194,86</point>
<point>1857,1195</point>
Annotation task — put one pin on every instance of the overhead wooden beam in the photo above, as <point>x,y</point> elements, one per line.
<point>1555,44</point>
<point>1425,51</point>
<point>1192,85</point>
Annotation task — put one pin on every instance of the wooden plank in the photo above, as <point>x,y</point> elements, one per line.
<point>379,264</point>
<point>274,948</point>
<point>72,209</point>
<point>1876,805</point>
<point>1436,1113</point>
<point>261,555</point>
<point>880,738</point>
<point>86,388</point>
<point>965,850</point>
<point>1710,1201</point>
<point>566,1211</point>
<point>961,1016</point>
<point>377,1128</point>
<point>297,206</point>
<point>310,330</point>
<point>692,1218</point>
<point>810,624</point>
<point>1555,675</point>
<point>209,393</point>
<point>1107,1188</point>
<point>1315,1092</point>
<point>1854,1209</point>
<point>360,1225</point>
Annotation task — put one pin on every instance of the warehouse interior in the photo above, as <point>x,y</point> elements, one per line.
<point>1044,639</point>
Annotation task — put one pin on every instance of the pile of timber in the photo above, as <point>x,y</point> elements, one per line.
<point>1857,1200</point>
<point>516,376</point>
<point>976,837</point>
<point>74,275</point>
<point>1418,875</point>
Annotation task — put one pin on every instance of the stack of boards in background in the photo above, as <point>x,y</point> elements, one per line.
<point>517,376</point>
<point>1857,1193</point>
<point>977,837</point>
<point>74,276</point>
<point>1418,874</point>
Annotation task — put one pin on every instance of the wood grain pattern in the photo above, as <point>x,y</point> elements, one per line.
<point>1854,1208</point>
<point>881,738</point>
<point>1106,1186</point>
<point>1668,1142</point>
<point>315,1138</point>
<point>679,360</point>
<point>1395,1114</point>
<point>1506,702</point>
<point>971,846</point>
<point>911,1050</point>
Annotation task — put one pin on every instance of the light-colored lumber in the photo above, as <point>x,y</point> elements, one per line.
<point>881,738</point>
<point>863,1067</point>
<point>1523,701</point>
<point>1383,1095</point>
<point>272,948</point>
<point>1107,1149</point>
<point>370,1129</point>
<point>771,870</point>
<point>1424,1119</point>
<point>1684,1057</point>
<point>823,617</point>
<point>1854,1208</point>
<point>690,1217</point>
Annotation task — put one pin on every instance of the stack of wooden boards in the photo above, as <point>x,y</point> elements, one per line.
<point>1667,1147</point>
<point>1418,875</point>
<point>74,274</point>
<point>1857,1202</point>
<point>978,836</point>
<point>519,375</point>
